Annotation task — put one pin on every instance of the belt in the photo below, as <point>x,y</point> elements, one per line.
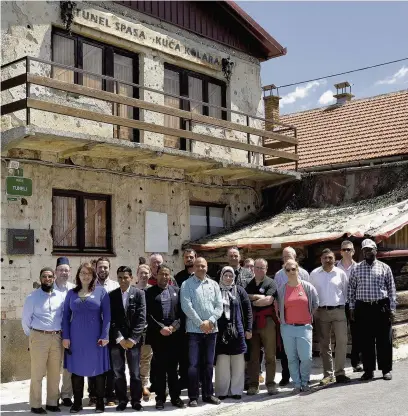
<point>373,302</point>
<point>46,332</point>
<point>331,307</point>
<point>298,324</point>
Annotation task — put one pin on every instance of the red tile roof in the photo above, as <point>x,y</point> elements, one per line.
<point>358,130</point>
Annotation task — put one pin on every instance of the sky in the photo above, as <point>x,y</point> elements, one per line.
<point>324,38</point>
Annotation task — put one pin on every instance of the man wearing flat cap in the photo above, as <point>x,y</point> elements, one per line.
<point>62,284</point>
<point>372,300</point>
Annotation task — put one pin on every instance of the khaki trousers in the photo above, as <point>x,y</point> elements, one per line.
<point>66,388</point>
<point>328,320</point>
<point>265,337</point>
<point>45,353</point>
<point>146,355</point>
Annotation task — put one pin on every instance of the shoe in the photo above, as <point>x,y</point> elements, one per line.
<point>75,408</point>
<point>261,379</point>
<point>159,404</point>
<point>367,376</point>
<point>272,390</point>
<point>192,403</point>
<point>236,396</point>
<point>296,390</point>
<point>110,402</point>
<point>67,402</point>
<point>146,394</point>
<point>100,406</point>
<point>178,403</point>
<point>358,369</point>
<point>284,382</point>
<point>38,410</point>
<point>121,406</point>
<point>327,380</point>
<point>387,376</point>
<point>52,408</point>
<point>306,389</point>
<point>92,402</point>
<point>222,397</point>
<point>138,407</point>
<point>343,379</point>
<point>252,391</point>
<point>211,400</point>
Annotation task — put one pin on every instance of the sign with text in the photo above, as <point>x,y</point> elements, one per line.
<point>20,241</point>
<point>135,32</point>
<point>18,186</point>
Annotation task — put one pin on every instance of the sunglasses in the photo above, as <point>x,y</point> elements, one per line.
<point>346,249</point>
<point>293,269</point>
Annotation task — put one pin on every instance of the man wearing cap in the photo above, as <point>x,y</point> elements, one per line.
<point>62,284</point>
<point>372,300</point>
<point>347,264</point>
<point>42,319</point>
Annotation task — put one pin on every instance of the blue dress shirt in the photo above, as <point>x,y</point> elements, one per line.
<point>43,311</point>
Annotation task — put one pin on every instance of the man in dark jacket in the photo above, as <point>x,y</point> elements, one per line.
<point>163,334</point>
<point>242,275</point>
<point>128,319</point>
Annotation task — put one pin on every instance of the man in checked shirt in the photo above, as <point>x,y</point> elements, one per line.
<point>372,299</point>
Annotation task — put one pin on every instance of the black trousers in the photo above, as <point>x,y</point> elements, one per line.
<point>375,329</point>
<point>165,367</point>
<point>98,383</point>
<point>284,362</point>
<point>118,359</point>
<point>183,360</point>
<point>355,340</point>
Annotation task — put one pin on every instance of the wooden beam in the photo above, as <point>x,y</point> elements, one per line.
<point>155,128</point>
<point>13,82</point>
<point>276,161</point>
<point>134,102</point>
<point>14,106</point>
<point>277,145</point>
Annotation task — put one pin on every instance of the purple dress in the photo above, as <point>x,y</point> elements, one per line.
<point>84,322</point>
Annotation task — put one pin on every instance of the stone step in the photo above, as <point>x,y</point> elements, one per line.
<point>400,330</point>
<point>402,298</point>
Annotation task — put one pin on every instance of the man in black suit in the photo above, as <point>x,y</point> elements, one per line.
<point>128,319</point>
<point>164,335</point>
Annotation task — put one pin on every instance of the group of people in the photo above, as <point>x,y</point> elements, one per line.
<point>172,330</point>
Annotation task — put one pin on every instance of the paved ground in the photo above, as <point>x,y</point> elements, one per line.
<point>374,398</point>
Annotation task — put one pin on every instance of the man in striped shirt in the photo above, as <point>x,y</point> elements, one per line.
<point>372,300</point>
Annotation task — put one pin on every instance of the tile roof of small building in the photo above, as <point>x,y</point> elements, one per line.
<point>369,128</point>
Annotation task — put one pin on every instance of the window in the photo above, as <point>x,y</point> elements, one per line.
<point>205,219</point>
<point>102,59</point>
<point>196,86</point>
<point>81,222</point>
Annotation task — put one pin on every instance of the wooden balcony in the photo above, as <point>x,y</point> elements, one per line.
<point>37,96</point>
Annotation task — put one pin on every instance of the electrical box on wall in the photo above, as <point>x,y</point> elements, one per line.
<point>20,241</point>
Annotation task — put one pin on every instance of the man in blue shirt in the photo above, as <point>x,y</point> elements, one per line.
<point>201,301</point>
<point>42,319</point>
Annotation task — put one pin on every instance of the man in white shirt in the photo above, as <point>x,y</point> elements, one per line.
<point>347,264</point>
<point>62,284</point>
<point>331,285</point>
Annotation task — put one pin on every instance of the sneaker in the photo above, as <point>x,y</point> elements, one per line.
<point>272,390</point>
<point>252,391</point>
<point>284,382</point>
<point>211,400</point>
<point>261,379</point>
<point>296,390</point>
<point>358,369</point>
<point>67,402</point>
<point>367,376</point>
<point>236,397</point>
<point>327,380</point>
<point>159,404</point>
<point>387,376</point>
<point>342,379</point>
<point>192,403</point>
<point>178,403</point>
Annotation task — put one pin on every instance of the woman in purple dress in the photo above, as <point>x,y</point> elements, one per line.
<point>85,332</point>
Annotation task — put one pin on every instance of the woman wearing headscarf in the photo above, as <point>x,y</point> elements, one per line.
<point>234,326</point>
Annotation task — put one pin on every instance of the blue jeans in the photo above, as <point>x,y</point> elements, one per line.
<point>297,341</point>
<point>201,351</point>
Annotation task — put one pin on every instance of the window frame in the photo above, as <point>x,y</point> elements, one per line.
<point>207,206</point>
<point>184,90</point>
<point>108,52</point>
<point>80,198</point>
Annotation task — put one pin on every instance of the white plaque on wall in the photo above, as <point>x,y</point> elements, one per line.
<point>156,232</point>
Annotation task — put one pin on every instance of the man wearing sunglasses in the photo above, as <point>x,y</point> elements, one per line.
<point>331,285</point>
<point>347,264</point>
<point>372,300</point>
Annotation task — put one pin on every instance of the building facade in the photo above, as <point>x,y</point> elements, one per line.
<point>127,128</point>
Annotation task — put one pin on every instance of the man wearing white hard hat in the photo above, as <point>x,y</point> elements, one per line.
<point>372,299</point>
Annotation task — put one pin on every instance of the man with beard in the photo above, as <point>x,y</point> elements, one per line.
<point>189,257</point>
<point>62,284</point>
<point>163,334</point>
<point>102,270</point>
<point>42,320</point>
<point>372,302</point>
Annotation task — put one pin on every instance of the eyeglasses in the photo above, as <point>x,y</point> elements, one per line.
<point>346,249</point>
<point>293,269</point>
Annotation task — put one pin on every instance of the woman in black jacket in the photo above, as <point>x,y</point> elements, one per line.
<point>234,326</point>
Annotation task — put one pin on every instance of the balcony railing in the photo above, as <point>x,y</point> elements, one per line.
<point>281,135</point>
